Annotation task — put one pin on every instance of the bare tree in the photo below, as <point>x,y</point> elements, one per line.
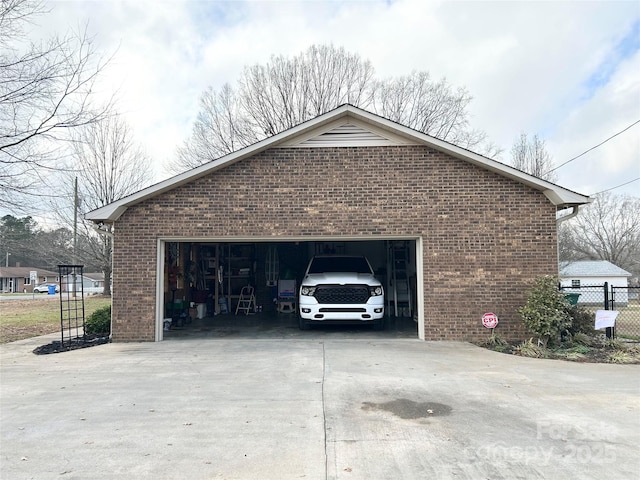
<point>531,156</point>
<point>607,229</point>
<point>109,166</point>
<point>45,91</point>
<point>566,242</point>
<point>286,91</point>
<point>220,128</point>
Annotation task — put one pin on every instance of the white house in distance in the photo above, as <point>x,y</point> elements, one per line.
<point>588,278</point>
<point>91,283</point>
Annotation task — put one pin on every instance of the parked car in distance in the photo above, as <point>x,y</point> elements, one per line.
<point>340,289</point>
<point>44,288</point>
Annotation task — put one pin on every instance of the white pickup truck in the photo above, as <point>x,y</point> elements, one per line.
<point>340,289</point>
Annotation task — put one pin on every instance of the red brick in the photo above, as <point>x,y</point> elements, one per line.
<point>485,237</point>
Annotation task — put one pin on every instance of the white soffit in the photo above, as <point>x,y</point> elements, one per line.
<point>347,132</point>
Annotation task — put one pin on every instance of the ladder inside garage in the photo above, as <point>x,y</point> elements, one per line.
<point>399,298</point>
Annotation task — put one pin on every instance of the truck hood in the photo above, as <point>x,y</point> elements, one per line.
<point>340,278</point>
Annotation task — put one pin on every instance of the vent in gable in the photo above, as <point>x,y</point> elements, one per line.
<point>346,135</point>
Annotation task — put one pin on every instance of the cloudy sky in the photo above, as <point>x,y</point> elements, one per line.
<point>568,71</point>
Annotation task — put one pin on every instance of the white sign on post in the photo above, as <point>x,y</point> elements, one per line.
<point>33,278</point>
<point>606,318</point>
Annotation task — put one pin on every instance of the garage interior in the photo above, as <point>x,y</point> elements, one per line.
<point>214,286</point>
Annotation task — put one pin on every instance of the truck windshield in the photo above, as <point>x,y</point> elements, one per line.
<point>339,264</point>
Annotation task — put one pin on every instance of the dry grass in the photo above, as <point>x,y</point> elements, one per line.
<point>628,321</point>
<point>29,317</point>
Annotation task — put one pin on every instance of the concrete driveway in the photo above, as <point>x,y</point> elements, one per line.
<point>316,407</point>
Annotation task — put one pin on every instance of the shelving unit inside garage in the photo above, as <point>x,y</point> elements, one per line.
<point>210,274</point>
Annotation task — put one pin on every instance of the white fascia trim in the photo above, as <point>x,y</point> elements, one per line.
<point>557,195</point>
<point>566,198</point>
<point>277,239</point>
<point>420,291</point>
<point>114,210</point>
<point>159,327</point>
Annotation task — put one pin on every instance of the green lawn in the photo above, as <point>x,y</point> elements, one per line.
<point>27,317</point>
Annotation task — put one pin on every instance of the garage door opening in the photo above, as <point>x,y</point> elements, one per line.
<point>216,288</point>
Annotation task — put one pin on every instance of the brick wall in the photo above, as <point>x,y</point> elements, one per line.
<point>485,237</point>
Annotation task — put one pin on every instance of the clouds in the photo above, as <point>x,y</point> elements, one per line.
<point>566,70</point>
<point>613,107</point>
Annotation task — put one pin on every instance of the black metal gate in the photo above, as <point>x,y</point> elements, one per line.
<point>609,297</point>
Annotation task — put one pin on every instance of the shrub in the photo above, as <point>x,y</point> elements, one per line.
<point>614,344</point>
<point>582,320</point>
<point>99,322</point>
<point>529,349</point>
<point>545,313</point>
<point>621,356</point>
<point>583,339</point>
<point>494,341</point>
<point>581,349</point>
<point>634,349</point>
<point>570,355</point>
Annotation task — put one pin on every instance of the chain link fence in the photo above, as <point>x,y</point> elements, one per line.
<point>625,300</point>
<point>608,297</point>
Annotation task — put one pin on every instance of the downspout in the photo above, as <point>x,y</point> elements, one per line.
<point>558,222</point>
<point>567,217</point>
<point>98,228</point>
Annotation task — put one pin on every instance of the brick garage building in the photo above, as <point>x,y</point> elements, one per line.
<point>477,231</point>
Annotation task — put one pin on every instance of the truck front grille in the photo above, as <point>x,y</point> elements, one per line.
<point>342,294</point>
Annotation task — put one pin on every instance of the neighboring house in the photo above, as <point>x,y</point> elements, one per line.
<point>90,282</point>
<point>97,278</point>
<point>18,279</point>
<point>460,234</point>
<point>588,277</point>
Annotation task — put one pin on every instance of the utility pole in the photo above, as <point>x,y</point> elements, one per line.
<point>75,233</point>
<point>7,263</point>
<point>75,220</point>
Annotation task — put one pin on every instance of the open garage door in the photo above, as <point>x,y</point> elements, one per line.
<point>212,287</point>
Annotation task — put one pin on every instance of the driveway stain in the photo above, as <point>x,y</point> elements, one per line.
<point>408,409</point>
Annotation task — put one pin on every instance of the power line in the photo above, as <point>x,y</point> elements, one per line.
<point>593,148</point>
<point>617,186</point>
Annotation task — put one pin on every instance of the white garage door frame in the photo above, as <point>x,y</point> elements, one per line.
<point>162,242</point>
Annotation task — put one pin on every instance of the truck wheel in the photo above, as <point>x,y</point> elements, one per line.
<point>378,325</point>
<point>303,324</point>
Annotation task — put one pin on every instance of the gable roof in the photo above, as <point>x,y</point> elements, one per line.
<point>345,126</point>
<point>24,272</point>
<point>95,276</point>
<point>591,268</point>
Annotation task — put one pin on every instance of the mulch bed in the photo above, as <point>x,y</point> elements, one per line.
<point>72,344</point>
<point>595,354</point>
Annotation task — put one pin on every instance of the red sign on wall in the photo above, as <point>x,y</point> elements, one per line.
<point>490,320</point>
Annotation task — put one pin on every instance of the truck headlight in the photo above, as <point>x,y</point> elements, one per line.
<point>375,291</point>
<point>308,291</point>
